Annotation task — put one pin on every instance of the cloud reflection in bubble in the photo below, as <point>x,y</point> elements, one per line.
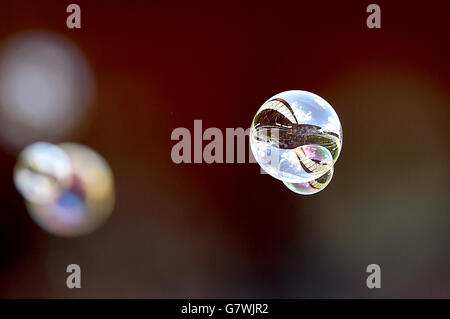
<point>80,206</point>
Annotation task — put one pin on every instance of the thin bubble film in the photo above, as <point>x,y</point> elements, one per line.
<point>311,187</point>
<point>296,137</point>
<point>79,206</point>
<point>42,171</point>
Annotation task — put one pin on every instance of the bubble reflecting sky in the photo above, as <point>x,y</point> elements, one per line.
<point>68,188</point>
<point>296,137</point>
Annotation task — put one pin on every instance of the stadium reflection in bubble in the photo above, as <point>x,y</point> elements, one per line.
<point>46,88</point>
<point>296,136</point>
<point>313,186</point>
<point>81,205</point>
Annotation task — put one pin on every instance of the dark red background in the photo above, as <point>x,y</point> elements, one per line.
<point>224,230</point>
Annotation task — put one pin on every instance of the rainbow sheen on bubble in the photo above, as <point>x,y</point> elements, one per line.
<point>296,137</point>
<point>72,207</point>
<point>306,162</point>
<point>311,187</point>
<point>42,171</point>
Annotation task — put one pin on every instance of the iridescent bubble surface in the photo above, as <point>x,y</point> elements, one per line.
<point>76,207</point>
<point>306,162</point>
<point>311,187</point>
<point>42,171</point>
<point>296,136</point>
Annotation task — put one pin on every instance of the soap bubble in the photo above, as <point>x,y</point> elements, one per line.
<point>306,162</point>
<point>313,186</point>
<point>76,207</point>
<point>42,171</point>
<point>296,137</point>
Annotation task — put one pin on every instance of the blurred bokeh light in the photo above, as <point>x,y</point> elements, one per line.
<point>46,88</point>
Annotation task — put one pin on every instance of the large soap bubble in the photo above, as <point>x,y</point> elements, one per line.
<point>296,137</point>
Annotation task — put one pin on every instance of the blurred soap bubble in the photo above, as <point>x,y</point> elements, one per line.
<point>46,88</point>
<point>42,171</point>
<point>81,205</point>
